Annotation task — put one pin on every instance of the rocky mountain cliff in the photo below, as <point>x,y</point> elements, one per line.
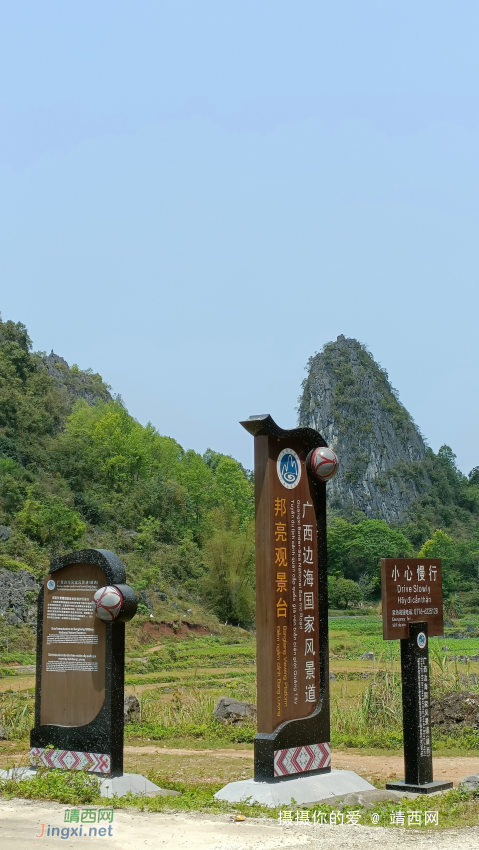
<point>18,596</point>
<point>347,397</point>
<point>74,383</point>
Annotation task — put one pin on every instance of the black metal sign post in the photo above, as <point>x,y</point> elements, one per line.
<point>411,591</point>
<point>416,715</point>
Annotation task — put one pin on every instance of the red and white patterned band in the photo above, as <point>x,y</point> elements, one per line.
<point>70,760</point>
<point>302,759</point>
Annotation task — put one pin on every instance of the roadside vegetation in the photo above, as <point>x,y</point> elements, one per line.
<point>76,789</point>
<point>177,680</point>
<point>77,470</point>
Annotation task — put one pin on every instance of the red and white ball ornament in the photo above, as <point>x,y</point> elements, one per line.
<point>324,463</point>
<point>108,603</point>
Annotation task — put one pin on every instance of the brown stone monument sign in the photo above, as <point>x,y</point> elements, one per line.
<point>291,468</point>
<point>286,562</point>
<point>411,593</point>
<point>73,645</point>
<point>82,610</point>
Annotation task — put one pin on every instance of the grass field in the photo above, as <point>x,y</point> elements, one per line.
<point>177,680</point>
<point>454,808</point>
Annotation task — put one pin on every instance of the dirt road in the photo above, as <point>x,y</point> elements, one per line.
<point>21,822</point>
<point>229,764</point>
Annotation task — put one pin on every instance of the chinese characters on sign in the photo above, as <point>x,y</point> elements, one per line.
<point>293,531</point>
<point>411,593</point>
<point>423,714</point>
<point>293,706</point>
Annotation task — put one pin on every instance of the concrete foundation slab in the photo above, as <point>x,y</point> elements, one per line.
<point>300,789</point>
<point>428,787</point>
<point>18,773</point>
<point>117,786</point>
<point>133,783</point>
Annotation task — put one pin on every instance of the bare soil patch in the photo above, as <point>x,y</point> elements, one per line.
<point>181,628</point>
<point>229,765</point>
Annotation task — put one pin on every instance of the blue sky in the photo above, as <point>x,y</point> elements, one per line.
<point>196,196</point>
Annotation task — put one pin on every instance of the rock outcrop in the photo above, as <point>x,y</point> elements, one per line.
<point>347,397</point>
<point>457,710</point>
<point>74,383</point>
<point>233,710</point>
<point>18,596</point>
<point>131,709</point>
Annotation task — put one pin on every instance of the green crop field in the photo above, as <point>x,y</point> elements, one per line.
<point>177,681</point>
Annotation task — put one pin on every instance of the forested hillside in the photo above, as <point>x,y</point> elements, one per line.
<point>77,470</point>
<point>75,474</point>
<point>392,494</point>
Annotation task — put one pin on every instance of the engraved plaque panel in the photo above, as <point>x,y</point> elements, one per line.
<point>73,650</point>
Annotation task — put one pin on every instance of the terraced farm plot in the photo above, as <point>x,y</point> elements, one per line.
<point>17,683</point>
<point>175,670</point>
<point>179,679</point>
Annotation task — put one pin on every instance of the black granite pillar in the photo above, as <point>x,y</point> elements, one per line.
<point>416,715</point>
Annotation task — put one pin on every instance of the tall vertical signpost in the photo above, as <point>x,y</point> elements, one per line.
<point>291,468</point>
<point>292,751</point>
<point>413,612</point>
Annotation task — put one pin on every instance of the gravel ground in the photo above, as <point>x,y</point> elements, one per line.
<point>20,822</point>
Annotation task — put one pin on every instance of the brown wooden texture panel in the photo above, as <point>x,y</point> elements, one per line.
<point>73,649</point>
<point>286,590</point>
<point>411,593</point>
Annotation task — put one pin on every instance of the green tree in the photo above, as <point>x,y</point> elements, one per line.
<point>439,546</point>
<point>148,535</point>
<point>229,583</point>
<point>14,482</point>
<point>50,522</point>
<point>198,479</point>
<point>460,560</point>
<point>236,494</point>
<point>451,502</point>
<point>123,472</point>
<point>189,567</point>
<point>104,444</point>
<point>31,409</point>
<point>356,549</point>
<point>166,501</point>
<point>343,592</point>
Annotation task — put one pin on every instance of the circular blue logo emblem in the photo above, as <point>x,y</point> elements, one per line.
<point>421,640</point>
<point>288,467</point>
<point>51,584</point>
